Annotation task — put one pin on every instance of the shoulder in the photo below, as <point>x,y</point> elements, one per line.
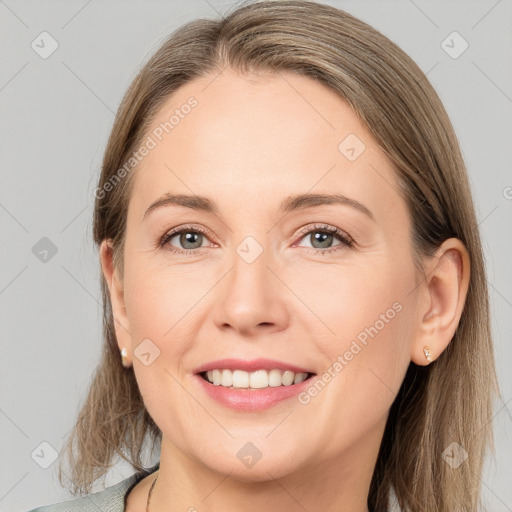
<point>111,499</point>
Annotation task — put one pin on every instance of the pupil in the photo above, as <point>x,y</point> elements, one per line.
<point>189,238</point>
<point>323,238</point>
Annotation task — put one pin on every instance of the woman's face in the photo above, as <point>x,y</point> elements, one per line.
<point>266,276</point>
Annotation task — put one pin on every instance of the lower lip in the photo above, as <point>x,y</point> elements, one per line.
<point>247,399</point>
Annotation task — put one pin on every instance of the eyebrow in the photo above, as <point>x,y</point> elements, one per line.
<point>291,203</point>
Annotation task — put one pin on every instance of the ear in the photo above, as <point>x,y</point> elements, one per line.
<point>440,308</point>
<point>116,289</point>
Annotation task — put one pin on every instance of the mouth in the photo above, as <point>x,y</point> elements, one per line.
<point>259,379</point>
<point>255,385</point>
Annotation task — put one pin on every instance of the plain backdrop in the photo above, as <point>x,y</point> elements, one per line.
<point>56,113</point>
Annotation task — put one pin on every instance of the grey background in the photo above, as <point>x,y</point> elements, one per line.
<point>56,114</point>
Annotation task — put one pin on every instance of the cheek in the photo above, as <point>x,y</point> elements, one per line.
<point>383,327</point>
<point>160,305</point>
<point>366,358</point>
<point>362,312</point>
<point>348,296</point>
<point>160,300</point>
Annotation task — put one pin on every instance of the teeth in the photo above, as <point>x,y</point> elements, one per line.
<point>274,378</point>
<point>254,380</point>
<point>240,379</point>
<point>226,378</point>
<point>258,379</point>
<point>287,378</point>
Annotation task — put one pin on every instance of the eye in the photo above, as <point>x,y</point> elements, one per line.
<point>322,236</point>
<point>190,238</point>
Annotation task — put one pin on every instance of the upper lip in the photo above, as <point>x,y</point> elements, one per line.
<point>250,366</point>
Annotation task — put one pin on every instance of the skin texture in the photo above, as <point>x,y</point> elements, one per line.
<point>251,142</point>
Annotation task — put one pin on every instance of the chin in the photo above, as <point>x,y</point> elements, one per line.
<point>249,464</point>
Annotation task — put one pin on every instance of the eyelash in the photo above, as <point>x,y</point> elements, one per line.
<point>323,228</point>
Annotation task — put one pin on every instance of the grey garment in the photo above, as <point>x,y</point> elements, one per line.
<point>112,499</point>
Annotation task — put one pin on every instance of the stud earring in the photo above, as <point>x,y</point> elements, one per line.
<point>124,357</point>
<point>428,354</point>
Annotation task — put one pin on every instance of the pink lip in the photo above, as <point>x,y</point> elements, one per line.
<point>250,399</point>
<point>250,366</point>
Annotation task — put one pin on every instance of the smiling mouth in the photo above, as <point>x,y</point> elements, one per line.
<point>259,379</point>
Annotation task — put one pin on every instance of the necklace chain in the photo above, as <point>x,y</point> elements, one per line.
<point>150,491</point>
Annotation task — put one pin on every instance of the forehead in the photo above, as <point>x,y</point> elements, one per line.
<point>245,140</point>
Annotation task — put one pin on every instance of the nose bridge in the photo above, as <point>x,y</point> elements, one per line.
<point>250,295</point>
<point>250,277</point>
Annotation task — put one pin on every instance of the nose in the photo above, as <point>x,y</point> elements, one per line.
<point>251,299</point>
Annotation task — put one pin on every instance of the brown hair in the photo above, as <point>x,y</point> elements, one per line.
<point>448,401</point>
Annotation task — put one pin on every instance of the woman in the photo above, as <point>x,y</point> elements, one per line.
<point>295,301</point>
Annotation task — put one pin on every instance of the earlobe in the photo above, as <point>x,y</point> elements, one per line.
<point>445,290</point>
<point>116,291</point>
